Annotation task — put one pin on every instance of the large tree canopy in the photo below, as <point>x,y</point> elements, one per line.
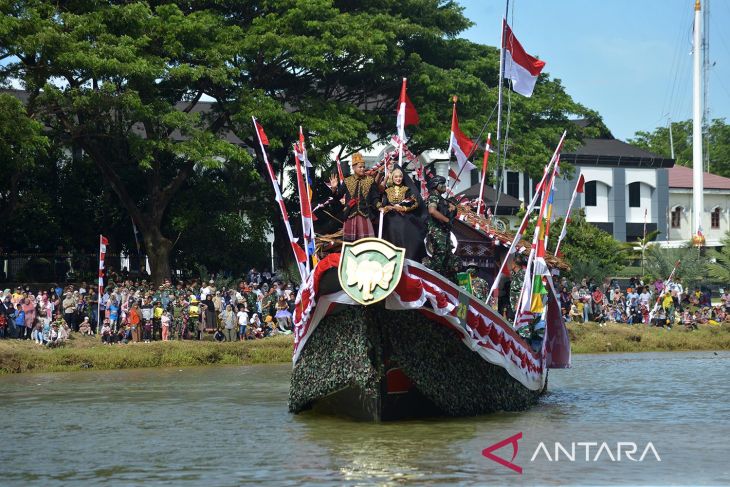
<point>717,142</point>
<point>126,82</point>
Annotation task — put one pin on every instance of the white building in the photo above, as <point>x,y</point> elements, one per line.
<point>715,214</point>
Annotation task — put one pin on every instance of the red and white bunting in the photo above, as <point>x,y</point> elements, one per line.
<point>481,329</point>
<point>299,254</point>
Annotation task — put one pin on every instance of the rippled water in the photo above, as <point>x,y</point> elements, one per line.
<point>230,426</point>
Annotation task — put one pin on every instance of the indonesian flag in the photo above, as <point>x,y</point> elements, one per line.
<point>519,66</point>
<point>460,143</point>
<point>340,176</point>
<point>407,114</point>
<point>304,201</point>
<point>303,150</point>
<point>300,255</point>
<point>453,175</point>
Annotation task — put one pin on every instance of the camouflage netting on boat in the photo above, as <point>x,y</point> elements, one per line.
<point>345,350</point>
<point>337,354</point>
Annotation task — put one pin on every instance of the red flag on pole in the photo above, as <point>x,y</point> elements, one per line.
<point>262,135</point>
<point>459,143</point>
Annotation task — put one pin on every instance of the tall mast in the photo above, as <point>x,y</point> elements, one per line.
<point>501,80</point>
<point>706,82</point>
<point>697,182</point>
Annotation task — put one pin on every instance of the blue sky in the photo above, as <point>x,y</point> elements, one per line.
<point>628,59</point>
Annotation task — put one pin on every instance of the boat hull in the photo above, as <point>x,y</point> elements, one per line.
<point>372,363</point>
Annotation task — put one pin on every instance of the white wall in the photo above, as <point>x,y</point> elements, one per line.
<point>636,214</point>
<point>712,199</point>
<point>598,213</point>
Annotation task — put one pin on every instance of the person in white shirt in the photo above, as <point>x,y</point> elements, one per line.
<point>242,317</point>
<point>645,297</point>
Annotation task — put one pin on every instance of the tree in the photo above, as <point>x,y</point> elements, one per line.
<point>719,267</point>
<point>124,80</point>
<point>590,251</point>
<point>22,143</point>
<point>637,250</point>
<point>691,270</point>
<point>717,142</point>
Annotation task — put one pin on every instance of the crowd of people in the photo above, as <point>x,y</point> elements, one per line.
<point>134,311</point>
<point>652,303</point>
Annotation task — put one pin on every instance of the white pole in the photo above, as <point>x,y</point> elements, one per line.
<point>671,139</point>
<point>697,182</point>
<point>484,173</point>
<point>272,257</point>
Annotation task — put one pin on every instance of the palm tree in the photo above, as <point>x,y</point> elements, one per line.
<point>692,268</point>
<point>720,268</point>
<point>637,249</point>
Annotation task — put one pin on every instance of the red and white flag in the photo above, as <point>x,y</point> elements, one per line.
<point>299,254</point>
<point>103,242</point>
<point>407,114</point>
<point>340,176</point>
<point>305,205</point>
<point>519,66</point>
<point>460,144</point>
<point>453,175</point>
<point>579,189</point>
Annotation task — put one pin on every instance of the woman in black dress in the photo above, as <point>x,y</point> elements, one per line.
<point>403,221</point>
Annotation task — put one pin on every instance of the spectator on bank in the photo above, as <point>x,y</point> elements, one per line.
<point>85,327</point>
<point>242,318</point>
<point>165,320</point>
<point>228,319</point>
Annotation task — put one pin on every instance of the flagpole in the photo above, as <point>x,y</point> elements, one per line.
<point>525,219</point>
<point>306,162</point>
<point>501,81</point>
<point>400,122</point>
<point>484,173</point>
<point>563,231</point>
<point>302,207</point>
<point>534,249</point>
<point>279,199</point>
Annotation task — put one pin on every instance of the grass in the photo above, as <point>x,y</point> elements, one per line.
<point>88,353</point>
<point>81,353</point>
<point>593,338</point>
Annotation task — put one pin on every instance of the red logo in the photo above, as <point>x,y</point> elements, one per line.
<point>512,440</point>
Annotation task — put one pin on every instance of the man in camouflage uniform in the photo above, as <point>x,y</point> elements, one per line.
<point>517,278</point>
<point>479,287</point>
<point>438,240</point>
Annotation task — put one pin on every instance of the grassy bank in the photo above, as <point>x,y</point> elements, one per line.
<point>592,338</point>
<point>87,353</point>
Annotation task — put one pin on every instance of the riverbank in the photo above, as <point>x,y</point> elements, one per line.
<point>81,353</point>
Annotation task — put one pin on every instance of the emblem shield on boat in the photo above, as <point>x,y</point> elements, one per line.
<point>370,269</point>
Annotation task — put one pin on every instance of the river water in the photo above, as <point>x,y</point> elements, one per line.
<point>230,426</point>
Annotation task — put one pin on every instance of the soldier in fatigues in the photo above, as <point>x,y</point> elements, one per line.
<point>479,287</point>
<point>517,278</point>
<point>438,240</point>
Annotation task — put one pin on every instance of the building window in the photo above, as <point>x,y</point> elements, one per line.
<point>715,218</point>
<point>677,217</point>
<point>513,184</point>
<point>590,193</point>
<point>635,195</point>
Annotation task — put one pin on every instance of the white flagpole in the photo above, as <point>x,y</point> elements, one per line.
<point>563,231</point>
<point>279,200</point>
<point>523,225</point>
<point>301,208</point>
<point>484,172</point>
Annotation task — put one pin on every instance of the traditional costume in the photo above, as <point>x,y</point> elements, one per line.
<point>404,222</point>
<point>361,196</point>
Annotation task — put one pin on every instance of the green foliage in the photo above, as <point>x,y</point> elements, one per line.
<point>717,142</point>
<point>123,80</point>
<point>692,269</point>
<point>589,251</point>
<point>719,270</point>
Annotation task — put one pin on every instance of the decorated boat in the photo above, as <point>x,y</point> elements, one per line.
<point>381,337</point>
